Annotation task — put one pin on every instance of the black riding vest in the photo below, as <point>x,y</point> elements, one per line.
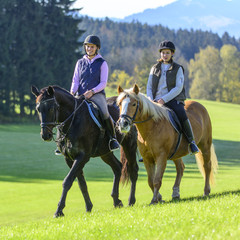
<point>170,79</point>
<point>89,74</point>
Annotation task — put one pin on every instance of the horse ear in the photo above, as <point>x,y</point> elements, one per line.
<point>35,91</point>
<point>50,91</point>
<point>136,89</point>
<point>119,89</point>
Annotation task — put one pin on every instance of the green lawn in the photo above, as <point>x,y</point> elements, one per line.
<point>30,188</point>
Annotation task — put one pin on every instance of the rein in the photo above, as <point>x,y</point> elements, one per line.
<point>131,120</point>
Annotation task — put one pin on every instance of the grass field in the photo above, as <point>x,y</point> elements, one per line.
<point>30,187</point>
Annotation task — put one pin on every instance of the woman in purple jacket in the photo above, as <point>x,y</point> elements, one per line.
<point>90,78</point>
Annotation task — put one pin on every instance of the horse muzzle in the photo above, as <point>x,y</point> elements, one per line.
<point>46,134</point>
<point>124,125</point>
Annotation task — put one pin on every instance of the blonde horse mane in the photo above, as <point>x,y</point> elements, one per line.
<point>147,106</point>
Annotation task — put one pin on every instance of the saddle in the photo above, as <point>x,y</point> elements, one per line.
<point>95,113</point>
<point>174,121</point>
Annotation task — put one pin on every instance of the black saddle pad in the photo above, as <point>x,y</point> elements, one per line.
<point>96,111</point>
<point>174,121</point>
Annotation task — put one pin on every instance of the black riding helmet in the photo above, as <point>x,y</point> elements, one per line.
<point>92,39</point>
<point>166,45</point>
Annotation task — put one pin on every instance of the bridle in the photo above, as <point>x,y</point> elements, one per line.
<point>131,120</point>
<point>56,123</point>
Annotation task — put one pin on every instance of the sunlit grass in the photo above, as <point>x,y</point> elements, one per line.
<point>30,187</point>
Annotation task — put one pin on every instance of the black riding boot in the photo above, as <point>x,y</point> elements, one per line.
<point>113,143</point>
<point>187,130</point>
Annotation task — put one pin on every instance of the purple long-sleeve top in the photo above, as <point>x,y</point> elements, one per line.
<point>103,76</point>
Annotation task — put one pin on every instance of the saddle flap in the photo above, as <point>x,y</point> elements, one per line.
<point>95,113</point>
<point>174,121</point>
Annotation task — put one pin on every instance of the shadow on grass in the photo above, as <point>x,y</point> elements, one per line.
<point>204,198</point>
<point>37,162</point>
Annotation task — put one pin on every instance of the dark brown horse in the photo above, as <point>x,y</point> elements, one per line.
<point>157,139</point>
<point>79,140</point>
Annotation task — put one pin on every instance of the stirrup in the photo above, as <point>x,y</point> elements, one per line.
<point>113,144</point>
<point>57,152</point>
<point>193,147</point>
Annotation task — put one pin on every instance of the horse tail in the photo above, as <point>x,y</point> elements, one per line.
<point>125,176</point>
<point>214,164</point>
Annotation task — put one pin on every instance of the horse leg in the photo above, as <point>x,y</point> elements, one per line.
<point>180,169</point>
<point>83,187</point>
<point>206,155</point>
<point>132,169</point>
<point>150,168</point>
<point>116,166</point>
<point>77,165</point>
<point>157,181</point>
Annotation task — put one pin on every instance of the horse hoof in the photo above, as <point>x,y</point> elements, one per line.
<point>176,198</point>
<point>58,214</point>
<point>153,203</point>
<point>89,208</point>
<point>119,204</point>
<point>131,202</point>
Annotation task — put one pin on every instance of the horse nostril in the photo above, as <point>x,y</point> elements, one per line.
<point>125,124</point>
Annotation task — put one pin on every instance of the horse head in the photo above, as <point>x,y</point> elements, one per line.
<point>129,105</point>
<point>47,109</point>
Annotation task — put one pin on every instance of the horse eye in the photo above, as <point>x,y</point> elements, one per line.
<point>134,104</point>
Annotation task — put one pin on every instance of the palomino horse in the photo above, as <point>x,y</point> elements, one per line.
<point>157,139</point>
<point>79,139</point>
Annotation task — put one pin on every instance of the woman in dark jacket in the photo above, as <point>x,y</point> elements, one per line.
<point>166,86</point>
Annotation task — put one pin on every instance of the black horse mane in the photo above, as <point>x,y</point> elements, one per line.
<point>59,90</point>
<point>56,87</point>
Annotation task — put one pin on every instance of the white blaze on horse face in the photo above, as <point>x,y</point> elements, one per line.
<point>125,103</point>
<point>123,124</point>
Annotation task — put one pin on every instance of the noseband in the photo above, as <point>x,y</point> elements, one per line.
<point>131,120</point>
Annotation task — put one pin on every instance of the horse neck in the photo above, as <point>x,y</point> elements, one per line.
<point>144,127</point>
<point>143,122</point>
<point>67,106</point>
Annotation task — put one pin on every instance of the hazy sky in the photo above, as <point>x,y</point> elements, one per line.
<point>117,8</point>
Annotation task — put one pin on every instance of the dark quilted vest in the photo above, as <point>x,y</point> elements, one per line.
<point>89,74</point>
<point>171,79</point>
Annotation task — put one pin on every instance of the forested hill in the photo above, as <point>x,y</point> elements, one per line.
<point>120,37</point>
<point>132,48</point>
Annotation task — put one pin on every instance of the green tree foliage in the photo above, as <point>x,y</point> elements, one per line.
<point>121,78</point>
<point>215,74</point>
<point>229,77</point>
<point>204,70</point>
<point>39,45</point>
<point>132,47</point>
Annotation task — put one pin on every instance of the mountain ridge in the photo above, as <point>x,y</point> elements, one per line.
<point>217,16</point>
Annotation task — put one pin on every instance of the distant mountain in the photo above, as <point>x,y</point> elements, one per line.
<point>218,16</point>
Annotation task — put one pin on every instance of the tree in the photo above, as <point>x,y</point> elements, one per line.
<point>121,78</point>
<point>204,72</point>
<point>40,46</point>
<point>230,74</point>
